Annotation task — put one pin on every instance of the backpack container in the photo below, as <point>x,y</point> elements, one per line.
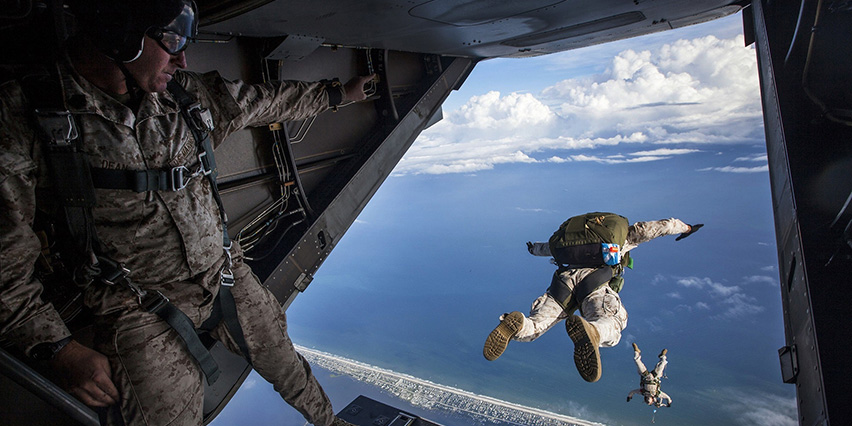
<point>590,240</point>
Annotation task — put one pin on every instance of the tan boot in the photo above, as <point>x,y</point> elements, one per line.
<point>636,348</point>
<point>499,338</point>
<point>663,353</point>
<point>586,339</point>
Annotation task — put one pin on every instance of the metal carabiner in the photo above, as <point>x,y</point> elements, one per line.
<point>58,125</point>
<point>227,276</point>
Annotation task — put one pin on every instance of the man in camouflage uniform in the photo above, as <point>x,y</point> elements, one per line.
<point>171,241</point>
<point>603,315</point>
<point>649,381</point>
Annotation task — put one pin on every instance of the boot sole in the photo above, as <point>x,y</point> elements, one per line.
<point>499,338</point>
<point>587,357</point>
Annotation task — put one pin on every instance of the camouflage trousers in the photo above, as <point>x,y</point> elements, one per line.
<point>160,383</point>
<point>602,308</point>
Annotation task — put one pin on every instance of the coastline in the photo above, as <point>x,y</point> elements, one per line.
<point>436,397</point>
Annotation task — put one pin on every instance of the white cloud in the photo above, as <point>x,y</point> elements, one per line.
<point>730,169</point>
<point>755,407</point>
<point>763,158</point>
<point>532,210</point>
<point>730,300</point>
<point>761,279</point>
<point>721,290</point>
<point>739,305</point>
<point>249,383</point>
<point>693,282</point>
<point>698,91</point>
<point>664,152</point>
<point>755,158</point>
<point>615,160</point>
<point>658,278</point>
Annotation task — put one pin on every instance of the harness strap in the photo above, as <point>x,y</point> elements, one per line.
<point>560,292</point>
<point>229,313</point>
<point>113,273</point>
<point>225,309</point>
<point>201,123</point>
<point>574,297</point>
<point>592,282</point>
<point>68,165</point>
<point>156,303</point>
<point>174,179</point>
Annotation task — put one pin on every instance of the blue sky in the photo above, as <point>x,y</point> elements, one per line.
<point>667,125</point>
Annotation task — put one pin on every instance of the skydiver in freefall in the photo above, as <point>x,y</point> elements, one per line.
<point>650,381</point>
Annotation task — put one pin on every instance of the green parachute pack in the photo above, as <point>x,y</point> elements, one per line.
<point>591,240</point>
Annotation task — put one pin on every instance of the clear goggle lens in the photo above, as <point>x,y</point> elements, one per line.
<point>170,41</point>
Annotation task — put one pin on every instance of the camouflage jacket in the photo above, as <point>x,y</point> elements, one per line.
<point>161,236</point>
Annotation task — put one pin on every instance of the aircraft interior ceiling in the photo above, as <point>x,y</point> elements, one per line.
<point>481,29</point>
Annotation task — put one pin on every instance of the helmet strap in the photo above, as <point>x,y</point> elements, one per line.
<point>132,85</point>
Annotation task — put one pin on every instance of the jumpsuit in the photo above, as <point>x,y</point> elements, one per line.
<point>649,385</point>
<point>603,307</point>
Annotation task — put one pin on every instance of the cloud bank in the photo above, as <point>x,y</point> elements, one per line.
<point>731,302</point>
<point>755,407</point>
<point>696,92</point>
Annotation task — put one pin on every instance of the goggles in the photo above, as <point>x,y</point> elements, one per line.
<point>175,36</point>
<point>172,42</point>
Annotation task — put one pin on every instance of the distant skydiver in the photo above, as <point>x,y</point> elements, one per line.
<point>591,251</point>
<point>649,381</point>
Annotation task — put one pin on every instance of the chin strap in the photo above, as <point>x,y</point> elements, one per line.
<point>130,83</point>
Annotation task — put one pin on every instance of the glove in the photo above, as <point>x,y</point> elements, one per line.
<point>530,247</point>
<point>692,229</point>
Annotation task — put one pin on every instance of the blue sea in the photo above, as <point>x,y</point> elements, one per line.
<point>419,281</point>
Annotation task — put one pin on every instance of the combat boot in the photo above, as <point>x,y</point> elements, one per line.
<point>586,339</point>
<point>636,348</point>
<point>663,353</point>
<point>499,338</point>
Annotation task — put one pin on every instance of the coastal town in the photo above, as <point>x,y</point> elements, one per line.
<point>432,396</point>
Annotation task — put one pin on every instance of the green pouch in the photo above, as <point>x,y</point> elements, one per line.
<point>616,283</point>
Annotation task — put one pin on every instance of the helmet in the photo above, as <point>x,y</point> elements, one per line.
<point>118,27</point>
